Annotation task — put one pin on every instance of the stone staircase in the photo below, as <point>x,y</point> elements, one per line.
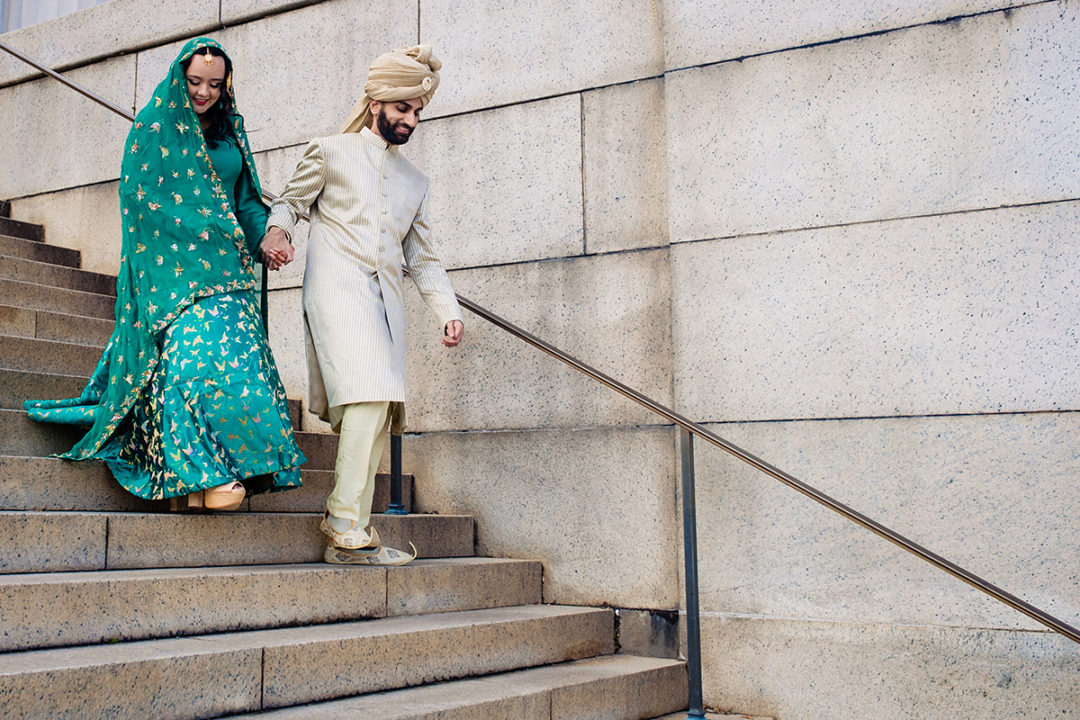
<point>110,606</point>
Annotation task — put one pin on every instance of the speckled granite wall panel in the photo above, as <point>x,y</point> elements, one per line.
<point>704,31</point>
<point>326,57</point>
<point>972,312</point>
<point>55,138</point>
<point>505,183</point>
<point>234,11</point>
<point>994,494</point>
<point>104,30</point>
<point>611,312</point>
<point>802,670</point>
<point>957,116</point>
<point>86,219</point>
<point>625,167</point>
<point>497,52</point>
<point>597,507</point>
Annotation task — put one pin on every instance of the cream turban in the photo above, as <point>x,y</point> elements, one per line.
<point>402,74</point>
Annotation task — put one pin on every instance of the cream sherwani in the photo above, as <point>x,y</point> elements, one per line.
<point>368,215</point>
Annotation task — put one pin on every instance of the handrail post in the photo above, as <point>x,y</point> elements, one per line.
<point>396,507</point>
<point>693,617</point>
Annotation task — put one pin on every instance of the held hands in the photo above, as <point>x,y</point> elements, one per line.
<point>452,333</point>
<point>276,250</point>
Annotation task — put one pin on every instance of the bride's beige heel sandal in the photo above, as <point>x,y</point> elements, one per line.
<point>223,497</point>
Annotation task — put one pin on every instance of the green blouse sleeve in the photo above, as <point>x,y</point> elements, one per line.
<point>251,212</point>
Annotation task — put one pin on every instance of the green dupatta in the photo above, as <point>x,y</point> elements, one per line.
<point>181,242</point>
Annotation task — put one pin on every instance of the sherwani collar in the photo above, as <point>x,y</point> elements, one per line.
<point>377,141</point>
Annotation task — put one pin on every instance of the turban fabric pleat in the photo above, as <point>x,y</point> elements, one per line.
<point>402,74</point>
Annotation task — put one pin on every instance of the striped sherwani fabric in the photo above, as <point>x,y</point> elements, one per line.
<point>368,214</point>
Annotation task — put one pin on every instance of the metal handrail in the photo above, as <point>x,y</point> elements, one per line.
<point>811,492</point>
<point>690,428</point>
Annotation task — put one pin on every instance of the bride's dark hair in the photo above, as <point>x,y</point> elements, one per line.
<point>219,118</point>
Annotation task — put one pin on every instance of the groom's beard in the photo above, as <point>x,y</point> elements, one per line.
<point>394,134</point>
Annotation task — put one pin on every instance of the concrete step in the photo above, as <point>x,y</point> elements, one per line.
<point>24,322</point>
<point>212,675</point>
<point>19,435</point>
<point>58,300</point>
<point>16,386</point>
<point>50,484</point>
<point>73,541</point>
<point>320,449</point>
<point>61,327</point>
<point>42,273</point>
<point>611,687</point>
<point>24,230</point>
<point>48,356</point>
<point>35,250</point>
<point>112,605</point>
<point>311,497</point>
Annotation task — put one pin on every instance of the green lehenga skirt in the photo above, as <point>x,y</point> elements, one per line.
<point>213,412</point>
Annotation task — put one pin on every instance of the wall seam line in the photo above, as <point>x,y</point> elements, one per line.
<point>881,220</point>
<point>861,36</point>
<point>584,197</point>
<point>866,623</point>
<point>662,426</point>
<point>105,560</point>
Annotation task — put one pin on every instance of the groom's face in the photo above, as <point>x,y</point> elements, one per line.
<point>397,120</point>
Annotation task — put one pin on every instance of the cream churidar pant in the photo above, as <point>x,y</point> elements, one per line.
<point>363,430</point>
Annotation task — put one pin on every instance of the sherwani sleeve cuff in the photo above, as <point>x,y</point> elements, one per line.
<point>301,192</point>
<point>445,308</point>
<point>281,216</point>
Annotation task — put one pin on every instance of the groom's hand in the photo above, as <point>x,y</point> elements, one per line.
<point>453,333</point>
<point>276,250</point>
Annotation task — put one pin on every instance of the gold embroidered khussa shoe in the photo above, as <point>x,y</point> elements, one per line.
<point>384,556</point>
<point>354,538</point>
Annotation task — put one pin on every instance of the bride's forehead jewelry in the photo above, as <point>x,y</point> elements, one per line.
<point>208,59</point>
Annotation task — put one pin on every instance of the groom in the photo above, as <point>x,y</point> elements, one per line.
<point>368,216</point>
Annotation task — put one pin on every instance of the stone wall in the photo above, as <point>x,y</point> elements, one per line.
<point>842,235</point>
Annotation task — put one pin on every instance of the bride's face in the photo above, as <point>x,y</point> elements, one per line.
<point>205,81</point>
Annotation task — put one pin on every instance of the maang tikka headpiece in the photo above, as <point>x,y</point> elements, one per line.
<point>208,59</point>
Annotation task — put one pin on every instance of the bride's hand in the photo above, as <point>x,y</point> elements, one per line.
<point>276,250</point>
